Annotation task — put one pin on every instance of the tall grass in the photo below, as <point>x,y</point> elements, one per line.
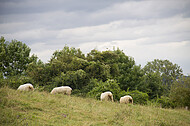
<point>41,108</point>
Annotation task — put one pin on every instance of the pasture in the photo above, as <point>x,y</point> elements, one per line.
<point>42,108</point>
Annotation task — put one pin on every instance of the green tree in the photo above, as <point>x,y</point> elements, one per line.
<point>169,72</point>
<point>68,59</point>
<point>117,66</point>
<point>2,55</point>
<point>98,70</point>
<point>14,57</point>
<point>131,78</point>
<point>74,79</point>
<point>129,74</point>
<point>180,92</point>
<point>36,71</point>
<point>152,84</point>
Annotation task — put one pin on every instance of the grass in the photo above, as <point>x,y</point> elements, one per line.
<point>41,108</point>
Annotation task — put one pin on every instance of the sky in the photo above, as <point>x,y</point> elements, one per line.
<point>143,29</point>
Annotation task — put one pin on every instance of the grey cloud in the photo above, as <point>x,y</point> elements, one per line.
<point>94,12</point>
<point>51,24</point>
<point>36,6</point>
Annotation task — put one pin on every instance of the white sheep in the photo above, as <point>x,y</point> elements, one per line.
<point>106,96</point>
<point>26,87</point>
<point>63,89</point>
<point>126,99</point>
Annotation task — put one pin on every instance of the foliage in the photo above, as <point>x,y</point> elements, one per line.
<point>98,70</point>
<point>152,84</point>
<point>138,97</point>
<point>169,72</point>
<point>131,79</point>
<point>109,85</point>
<point>35,70</point>
<point>68,59</point>
<point>91,74</point>
<point>180,92</point>
<point>14,57</point>
<point>74,79</point>
<point>165,102</point>
<point>114,65</point>
<point>15,81</point>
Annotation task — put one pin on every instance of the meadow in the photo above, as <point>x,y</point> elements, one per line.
<point>42,108</point>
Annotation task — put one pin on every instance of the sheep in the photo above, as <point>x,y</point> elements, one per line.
<point>106,96</point>
<point>63,89</point>
<point>26,87</point>
<point>126,99</point>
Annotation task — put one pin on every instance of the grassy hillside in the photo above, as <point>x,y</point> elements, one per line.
<point>42,108</point>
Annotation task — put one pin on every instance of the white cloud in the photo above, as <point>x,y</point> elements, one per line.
<point>176,52</point>
<point>43,50</point>
<point>163,30</point>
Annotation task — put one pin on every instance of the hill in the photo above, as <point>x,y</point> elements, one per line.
<point>41,108</point>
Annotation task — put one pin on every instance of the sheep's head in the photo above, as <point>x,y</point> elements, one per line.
<point>110,97</point>
<point>130,100</point>
<point>31,88</point>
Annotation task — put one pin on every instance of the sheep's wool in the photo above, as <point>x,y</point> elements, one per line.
<point>26,87</point>
<point>126,99</point>
<point>106,96</point>
<point>63,89</point>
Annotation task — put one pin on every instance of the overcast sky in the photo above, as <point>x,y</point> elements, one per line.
<point>143,29</point>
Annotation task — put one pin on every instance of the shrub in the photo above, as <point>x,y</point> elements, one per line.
<point>74,79</point>
<point>109,85</point>
<point>165,102</point>
<point>180,92</point>
<point>138,97</point>
<point>15,81</point>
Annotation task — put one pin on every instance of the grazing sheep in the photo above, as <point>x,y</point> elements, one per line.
<point>106,96</point>
<point>63,89</point>
<point>126,99</point>
<point>26,87</point>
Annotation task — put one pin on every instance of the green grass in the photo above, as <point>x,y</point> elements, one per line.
<point>41,108</point>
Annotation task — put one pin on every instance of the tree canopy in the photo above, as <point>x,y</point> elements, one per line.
<point>93,73</point>
<point>14,57</point>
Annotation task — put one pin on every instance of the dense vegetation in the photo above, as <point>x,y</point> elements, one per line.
<point>158,82</point>
<point>43,109</point>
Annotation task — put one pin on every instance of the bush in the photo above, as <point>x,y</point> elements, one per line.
<point>109,85</point>
<point>180,92</point>
<point>138,97</point>
<point>74,79</point>
<point>165,102</point>
<point>15,81</point>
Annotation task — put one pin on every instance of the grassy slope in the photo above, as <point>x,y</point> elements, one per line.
<point>41,108</point>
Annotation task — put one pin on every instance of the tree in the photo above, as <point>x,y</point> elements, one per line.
<point>14,57</point>
<point>169,72</point>
<point>131,78</point>
<point>74,79</point>
<point>36,71</point>
<point>98,70</point>
<point>180,92</point>
<point>151,84</point>
<point>66,54</point>
<point>68,59</point>
<point>118,66</point>
<point>3,47</point>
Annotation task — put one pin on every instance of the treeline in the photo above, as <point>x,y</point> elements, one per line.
<point>159,82</point>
